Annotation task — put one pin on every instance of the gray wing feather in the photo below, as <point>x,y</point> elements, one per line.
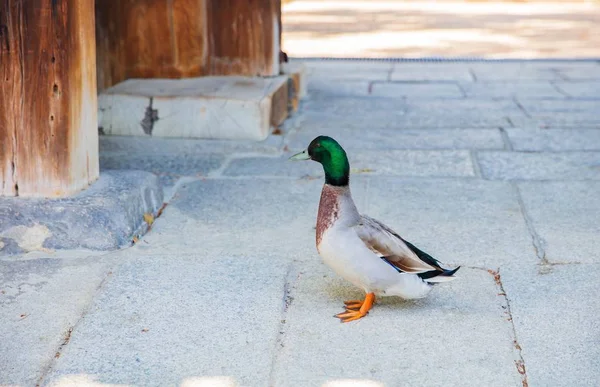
<point>383,240</point>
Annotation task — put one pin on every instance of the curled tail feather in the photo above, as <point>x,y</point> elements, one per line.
<point>437,277</point>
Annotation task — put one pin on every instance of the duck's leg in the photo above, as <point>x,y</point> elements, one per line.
<point>357,304</point>
<point>362,308</point>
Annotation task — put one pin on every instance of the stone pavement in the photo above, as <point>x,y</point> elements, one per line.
<point>492,166</point>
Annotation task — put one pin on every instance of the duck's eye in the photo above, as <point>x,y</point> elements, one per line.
<point>317,145</point>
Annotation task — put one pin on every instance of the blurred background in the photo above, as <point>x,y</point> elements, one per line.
<point>485,29</point>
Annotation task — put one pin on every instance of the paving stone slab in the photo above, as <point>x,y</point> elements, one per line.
<point>103,217</point>
<point>513,71</point>
<point>324,87</point>
<point>464,106</point>
<point>261,214</point>
<point>399,120</point>
<point>348,106</point>
<point>345,65</point>
<point>568,121</point>
<point>165,320</point>
<point>498,165</point>
<point>461,113</point>
<point>548,107</point>
<point>554,140</point>
<point>161,145</point>
<point>40,300</point>
<point>390,112</point>
<point>390,162</point>
<point>460,222</point>
<point>525,90</point>
<point>381,113</point>
<point>562,65</point>
<point>462,325</point>
<point>431,72</point>
<point>590,73</point>
<point>566,216</point>
<point>348,70</point>
<point>236,216</point>
<point>554,113</point>
<point>589,89</point>
<point>421,90</point>
<point>353,139</point>
<point>168,167</point>
<point>556,323</point>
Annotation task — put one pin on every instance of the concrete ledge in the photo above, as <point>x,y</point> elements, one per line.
<point>106,216</point>
<point>220,107</point>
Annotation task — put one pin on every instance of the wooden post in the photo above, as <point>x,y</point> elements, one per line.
<point>48,101</point>
<point>244,37</point>
<point>150,39</point>
<point>186,38</point>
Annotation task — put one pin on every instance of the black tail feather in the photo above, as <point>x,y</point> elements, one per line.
<point>441,272</point>
<point>437,273</point>
<point>423,255</point>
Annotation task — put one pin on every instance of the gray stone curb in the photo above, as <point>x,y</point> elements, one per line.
<point>106,216</point>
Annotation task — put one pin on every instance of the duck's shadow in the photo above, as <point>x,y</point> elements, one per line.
<point>337,291</point>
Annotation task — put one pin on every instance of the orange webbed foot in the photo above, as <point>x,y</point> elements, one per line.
<point>353,304</point>
<point>356,309</point>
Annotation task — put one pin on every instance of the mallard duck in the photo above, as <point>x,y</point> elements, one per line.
<point>360,249</point>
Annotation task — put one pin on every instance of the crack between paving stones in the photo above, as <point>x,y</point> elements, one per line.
<point>69,332</point>
<point>560,75</point>
<point>521,107</point>
<point>475,162</point>
<point>291,278</point>
<point>512,124</point>
<point>219,171</point>
<point>507,144</point>
<point>560,91</point>
<point>462,89</point>
<point>473,75</point>
<point>520,362</point>
<point>536,240</point>
<point>178,184</point>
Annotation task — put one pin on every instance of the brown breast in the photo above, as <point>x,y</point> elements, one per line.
<point>328,211</point>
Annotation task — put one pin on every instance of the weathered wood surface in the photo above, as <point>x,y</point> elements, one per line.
<point>48,100</point>
<point>186,38</point>
<point>244,37</point>
<point>150,39</point>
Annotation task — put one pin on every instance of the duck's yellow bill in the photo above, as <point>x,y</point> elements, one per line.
<point>300,156</point>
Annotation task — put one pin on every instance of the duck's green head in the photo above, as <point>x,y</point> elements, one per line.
<point>331,155</point>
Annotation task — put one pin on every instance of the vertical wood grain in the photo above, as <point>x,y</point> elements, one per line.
<point>186,38</point>
<point>244,37</point>
<point>48,103</point>
<point>150,39</point>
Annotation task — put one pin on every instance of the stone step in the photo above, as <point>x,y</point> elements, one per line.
<point>215,107</point>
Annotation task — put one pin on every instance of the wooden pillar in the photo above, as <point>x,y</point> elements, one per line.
<point>186,38</point>
<point>244,37</point>
<point>150,39</point>
<point>48,101</point>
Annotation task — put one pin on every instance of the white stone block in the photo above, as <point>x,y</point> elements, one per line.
<point>224,107</point>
